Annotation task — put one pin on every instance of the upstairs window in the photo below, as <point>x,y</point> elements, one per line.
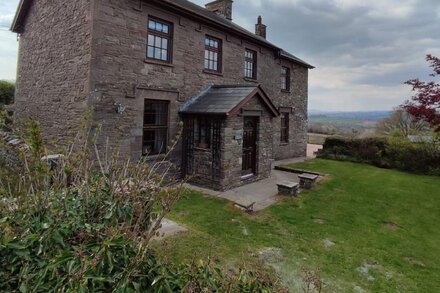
<point>213,54</point>
<point>159,40</point>
<point>285,127</point>
<point>250,64</point>
<point>285,79</point>
<point>155,127</point>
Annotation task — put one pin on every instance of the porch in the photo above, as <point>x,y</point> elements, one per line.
<point>227,137</point>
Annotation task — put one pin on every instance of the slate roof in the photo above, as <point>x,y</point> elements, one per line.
<point>190,8</point>
<point>225,99</point>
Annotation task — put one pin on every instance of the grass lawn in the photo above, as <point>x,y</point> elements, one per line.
<point>366,229</point>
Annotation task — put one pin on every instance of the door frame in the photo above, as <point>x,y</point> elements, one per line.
<point>255,157</point>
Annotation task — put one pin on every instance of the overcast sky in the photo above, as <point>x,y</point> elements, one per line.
<point>363,49</point>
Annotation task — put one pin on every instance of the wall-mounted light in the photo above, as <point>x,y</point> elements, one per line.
<point>119,108</point>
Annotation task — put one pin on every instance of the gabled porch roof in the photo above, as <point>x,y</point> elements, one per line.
<point>226,100</point>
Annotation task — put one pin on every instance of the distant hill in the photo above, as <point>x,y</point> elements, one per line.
<point>345,121</point>
<point>366,115</point>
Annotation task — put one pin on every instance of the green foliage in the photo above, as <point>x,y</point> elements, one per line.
<point>368,150</point>
<point>71,223</point>
<point>392,152</point>
<point>414,157</point>
<point>7,92</point>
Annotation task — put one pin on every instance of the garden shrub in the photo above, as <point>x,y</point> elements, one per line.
<point>414,157</point>
<point>368,150</point>
<point>392,152</point>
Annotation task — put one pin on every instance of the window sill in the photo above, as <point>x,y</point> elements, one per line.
<point>207,71</point>
<point>250,79</point>
<point>286,91</point>
<point>157,62</point>
<point>284,143</point>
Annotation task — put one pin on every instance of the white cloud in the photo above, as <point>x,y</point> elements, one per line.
<point>358,98</point>
<point>380,8</point>
<point>8,55</point>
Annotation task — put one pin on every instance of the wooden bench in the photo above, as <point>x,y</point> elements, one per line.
<point>288,188</point>
<point>307,181</point>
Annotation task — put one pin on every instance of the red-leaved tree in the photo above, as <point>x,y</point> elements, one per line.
<point>425,104</point>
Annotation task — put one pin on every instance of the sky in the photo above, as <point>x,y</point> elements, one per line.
<point>363,50</point>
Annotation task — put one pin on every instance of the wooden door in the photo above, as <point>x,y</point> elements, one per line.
<point>250,135</point>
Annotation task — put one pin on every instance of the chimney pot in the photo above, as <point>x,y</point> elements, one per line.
<point>221,7</point>
<point>260,28</point>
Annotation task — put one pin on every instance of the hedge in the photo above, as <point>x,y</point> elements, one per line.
<point>396,153</point>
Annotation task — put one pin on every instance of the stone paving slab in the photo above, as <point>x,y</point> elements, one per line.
<point>170,228</point>
<point>263,193</point>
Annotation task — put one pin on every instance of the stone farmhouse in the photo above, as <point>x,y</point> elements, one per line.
<point>145,66</point>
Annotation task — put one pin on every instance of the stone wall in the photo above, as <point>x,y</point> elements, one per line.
<point>203,169</point>
<point>53,69</point>
<point>120,70</point>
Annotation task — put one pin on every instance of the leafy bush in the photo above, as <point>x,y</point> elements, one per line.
<point>392,152</point>
<point>414,157</point>
<point>75,224</point>
<point>7,92</point>
<point>367,150</point>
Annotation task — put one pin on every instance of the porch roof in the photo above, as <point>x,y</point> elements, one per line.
<point>226,100</point>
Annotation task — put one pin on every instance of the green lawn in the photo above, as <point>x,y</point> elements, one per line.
<point>366,229</point>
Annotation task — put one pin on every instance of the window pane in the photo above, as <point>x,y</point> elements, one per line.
<point>164,43</point>
<point>151,40</point>
<point>159,26</point>
<point>164,55</point>
<point>156,113</point>
<point>165,28</point>
<point>206,64</point>
<point>151,24</point>
<point>150,53</point>
<point>157,42</point>
<point>154,141</point>
<point>157,54</point>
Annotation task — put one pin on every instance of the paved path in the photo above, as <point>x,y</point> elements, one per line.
<point>263,193</point>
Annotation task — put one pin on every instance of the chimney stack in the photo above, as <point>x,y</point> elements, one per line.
<point>221,7</point>
<point>260,28</point>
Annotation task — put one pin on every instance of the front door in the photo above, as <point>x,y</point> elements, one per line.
<point>250,135</point>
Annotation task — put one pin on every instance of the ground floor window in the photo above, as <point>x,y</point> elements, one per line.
<point>203,132</point>
<point>284,127</point>
<point>155,138</point>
